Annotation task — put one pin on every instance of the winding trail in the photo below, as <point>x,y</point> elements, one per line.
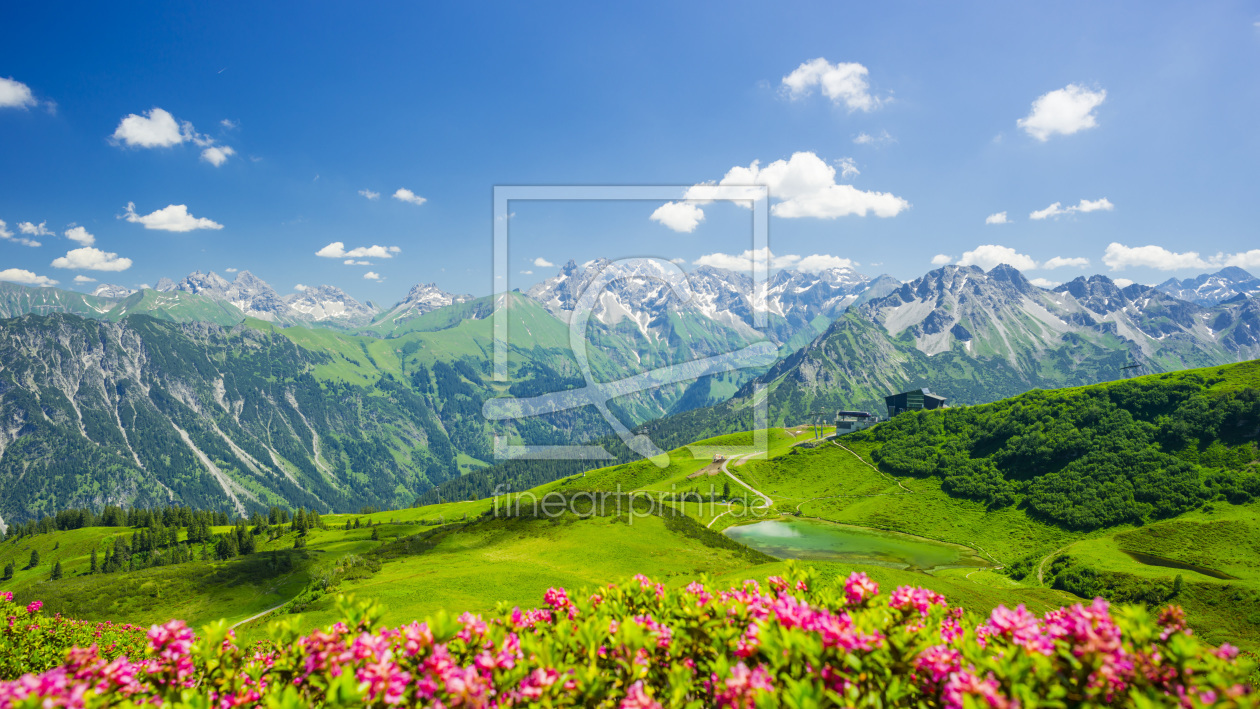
<point>765,499</point>
<point>256,616</point>
<point>1041,568</point>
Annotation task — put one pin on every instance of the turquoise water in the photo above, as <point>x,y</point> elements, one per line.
<point>818,540</point>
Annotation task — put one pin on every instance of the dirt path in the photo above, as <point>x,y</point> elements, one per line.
<point>765,499</point>
<point>1041,568</point>
<point>256,616</point>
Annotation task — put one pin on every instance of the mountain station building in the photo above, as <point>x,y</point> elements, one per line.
<point>850,421</point>
<point>913,400</point>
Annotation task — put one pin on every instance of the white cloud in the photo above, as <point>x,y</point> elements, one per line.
<point>1044,283</point>
<point>299,287</point>
<point>987,256</point>
<point>1063,261</point>
<point>155,129</point>
<point>337,249</point>
<point>8,236</point>
<point>217,154</point>
<point>370,194</point>
<point>30,229</point>
<point>80,236</point>
<point>848,168</point>
<point>88,258</point>
<point>807,187</point>
<point>173,217</point>
<point>231,270</point>
<point>816,263</point>
<point>843,82</point>
<point>1119,256</point>
<point>373,276</point>
<point>15,94</point>
<point>84,279</point>
<point>678,261</point>
<point>999,218</point>
<point>527,273</point>
<point>1245,259</point>
<point>1122,282</point>
<point>941,259</point>
<point>813,263</point>
<point>543,263</point>
<point>878,140</point>
<point>354,262</point>
<point>405,195</point>
<point>680,216</point>
<point>1057,209</point>
<point>230,124</point>
<point>1063,111</point>
<point>27,278</point>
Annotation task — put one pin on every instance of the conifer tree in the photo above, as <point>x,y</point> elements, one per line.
<point>56,571</point>
<point>34,559</point>
<point>8,571</point>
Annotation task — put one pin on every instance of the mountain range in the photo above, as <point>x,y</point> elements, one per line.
<point>209,389</point>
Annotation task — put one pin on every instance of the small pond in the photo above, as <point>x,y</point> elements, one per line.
<point>827,541</point>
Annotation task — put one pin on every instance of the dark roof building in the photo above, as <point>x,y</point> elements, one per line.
<point>913,400</point>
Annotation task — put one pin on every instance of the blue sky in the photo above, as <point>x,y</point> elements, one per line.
<point>1145,136</point>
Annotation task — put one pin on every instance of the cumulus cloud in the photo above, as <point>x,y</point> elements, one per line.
<point>743,262</point>
<point>405,195</point>
<point>1122,282</point>
<point>1118,256</point>
<point>8,236</point>
<point>370,194</point>
<point>941,259</point>
<point>173,217</point>
<point>1057,209</point>
<point>1044,283</point>
<point>337,249</point>
<point>843,83</point>
<point>999,218</point>
<point>25,277</point>
<point>31,229</point>
<point>217,154</point>
<point>682,217</point>
<point>299,287</point>
<point>80,236</point>
<point>877,140</point>
<point>1245,259</point>
<point>15,94</point>
<point>1063,111</point>
<point>373,276</point>
<point>543,263</point>
<point>157,128</point>
<point>848,168</point>
<point>806,187</point>
<point>88,258</point>
<point>987,256</point>
<point>84,279</point>
<point>1068,262</point>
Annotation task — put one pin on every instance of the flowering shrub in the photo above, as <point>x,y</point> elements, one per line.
<point>32,642</point>
<point>795,642</point>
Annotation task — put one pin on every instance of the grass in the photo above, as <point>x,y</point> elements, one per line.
<point>472,568</point>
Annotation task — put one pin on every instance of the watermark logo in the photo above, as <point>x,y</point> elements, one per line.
<point>598,394</point>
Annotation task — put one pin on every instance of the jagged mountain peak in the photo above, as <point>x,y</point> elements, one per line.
<point>110,290</point>
<point>1213,288</point>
